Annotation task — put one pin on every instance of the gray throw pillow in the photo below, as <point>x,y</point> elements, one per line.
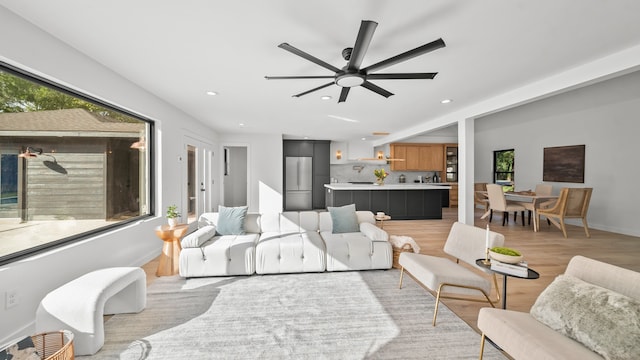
<point>604,321</point>
<point>231,220</point>
<point>344,219</point>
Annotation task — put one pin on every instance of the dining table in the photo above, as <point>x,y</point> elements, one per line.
<point>527,198</point>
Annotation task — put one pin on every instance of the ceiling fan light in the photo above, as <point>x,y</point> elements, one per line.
<point>349,80</point>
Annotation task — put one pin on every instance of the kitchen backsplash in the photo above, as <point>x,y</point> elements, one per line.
<point>362,172</point>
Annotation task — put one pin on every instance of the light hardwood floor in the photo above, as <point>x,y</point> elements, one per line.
<point>547,251</point>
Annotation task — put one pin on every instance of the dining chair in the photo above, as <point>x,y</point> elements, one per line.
<point>478,195</point>
<point>573,203</point>
<point>498,202</point>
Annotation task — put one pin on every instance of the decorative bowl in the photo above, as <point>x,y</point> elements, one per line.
<point>509,259</point>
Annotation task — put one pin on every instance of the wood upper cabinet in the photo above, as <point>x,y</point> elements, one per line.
<point>398,151</point>
<point>418,157</point>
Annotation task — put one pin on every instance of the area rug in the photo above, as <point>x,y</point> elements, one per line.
<point>338,315</point>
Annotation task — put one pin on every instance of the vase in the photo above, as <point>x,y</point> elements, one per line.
<point>380,181</point>
<point>173,222</point>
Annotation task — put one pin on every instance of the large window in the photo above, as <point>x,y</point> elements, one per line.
<point>503,164</point>
<point>70,166</point>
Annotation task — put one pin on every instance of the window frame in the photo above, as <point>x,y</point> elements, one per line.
<point>151,182</point>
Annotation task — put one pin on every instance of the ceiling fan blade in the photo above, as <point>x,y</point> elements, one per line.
<point>420,50</point>
<point>367,28</point>
<point>311,58</point>
<point>314,89</point>
<point>343,94</point>
<point>299,77</point>
<point>376,89</point>
<point>401,76</point>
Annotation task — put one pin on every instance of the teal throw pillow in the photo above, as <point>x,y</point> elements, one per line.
<point>231,220</point>
<point>344,219</point>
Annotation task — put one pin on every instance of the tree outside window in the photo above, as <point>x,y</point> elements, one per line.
<point>503,165</point>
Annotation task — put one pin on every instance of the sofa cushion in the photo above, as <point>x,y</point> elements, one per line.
<point>199,237</point>
<point>289,222</point>
<point>225,255</point>
<point>603,320</point>
<point>344,219</point>
<point>231,220</point>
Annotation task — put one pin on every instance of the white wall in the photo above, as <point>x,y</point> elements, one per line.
<point>601,116</point>
<point>33,50</point>
<point>235,181</point>
<point>264,154</point>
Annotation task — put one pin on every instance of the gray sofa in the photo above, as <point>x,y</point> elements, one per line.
<point>287,242</point>
<point>592,311</point>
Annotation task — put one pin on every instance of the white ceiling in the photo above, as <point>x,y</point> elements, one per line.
<point>178,50</point>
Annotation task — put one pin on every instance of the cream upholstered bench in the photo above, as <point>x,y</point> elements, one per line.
<point>80,304</point>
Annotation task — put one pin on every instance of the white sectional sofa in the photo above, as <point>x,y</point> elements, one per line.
<point>287,242</point>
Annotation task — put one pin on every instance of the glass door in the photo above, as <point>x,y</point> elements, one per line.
<point>198,182</point>
<point>451,158</point>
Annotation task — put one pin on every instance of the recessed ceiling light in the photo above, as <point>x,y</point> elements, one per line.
<point>446,101</point>
<point>241,124</point>
<point>212,93</point>
<point>306,138</point>
<point>364,138</point>
<point>325,97</point>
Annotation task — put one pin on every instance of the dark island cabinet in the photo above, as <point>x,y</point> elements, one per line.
<point>399,204</point>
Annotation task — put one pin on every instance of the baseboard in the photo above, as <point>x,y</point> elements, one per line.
<point>146,258</point>
<point>19,334</point>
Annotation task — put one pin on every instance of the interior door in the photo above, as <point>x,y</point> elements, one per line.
<point>197,188</point>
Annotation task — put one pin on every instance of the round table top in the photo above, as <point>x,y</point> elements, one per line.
<point>383,217</point>
<point>167,227</point>
<point>531,274</point>
<point>168,233</point>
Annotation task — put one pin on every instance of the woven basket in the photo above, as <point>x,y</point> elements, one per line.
<point>57,345</point>
<point>396,254</point>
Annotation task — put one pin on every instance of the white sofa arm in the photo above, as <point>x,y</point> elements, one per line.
<point>198,237</point>
<point>373,232</point>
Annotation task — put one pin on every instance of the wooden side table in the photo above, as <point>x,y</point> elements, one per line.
<point>170,257</point>
<point>381,219</point>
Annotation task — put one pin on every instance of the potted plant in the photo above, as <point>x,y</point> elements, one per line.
<point>380,175</point>
<point>172,215</point>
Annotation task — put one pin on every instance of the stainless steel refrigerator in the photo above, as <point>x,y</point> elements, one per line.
<point>298,180</point>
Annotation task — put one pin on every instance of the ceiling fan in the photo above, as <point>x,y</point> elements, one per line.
<point>352,75</point>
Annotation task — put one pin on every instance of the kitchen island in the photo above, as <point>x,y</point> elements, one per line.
<point>400,201</point>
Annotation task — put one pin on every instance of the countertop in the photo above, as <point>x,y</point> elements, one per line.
<point>405,186</point>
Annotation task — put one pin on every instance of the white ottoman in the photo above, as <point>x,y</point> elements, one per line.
<point>79,305</point>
